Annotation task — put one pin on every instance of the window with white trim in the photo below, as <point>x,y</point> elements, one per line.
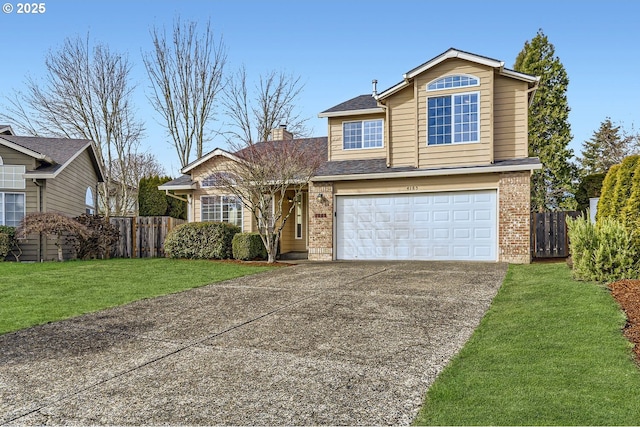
<point>298,214</point>
<point>89,201</point>
<point>362,134</point>
<point>12,177</point>
<point>453,81</point>
<point>12,208</point>
<point>453,119</point>
<point>221,209</point>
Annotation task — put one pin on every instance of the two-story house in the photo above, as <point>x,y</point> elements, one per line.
<point>435,167</point>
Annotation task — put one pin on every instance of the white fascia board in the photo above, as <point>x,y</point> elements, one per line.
<point>520,76</point>
<point>429,172</point>
<point>177,187</point>
<point>452,53</point>
<point>214,153</point>
<point>352,112</point>
<point>392,89</point>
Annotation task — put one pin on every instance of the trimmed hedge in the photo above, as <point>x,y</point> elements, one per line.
<point>201,240</point>
<point>248,247</point>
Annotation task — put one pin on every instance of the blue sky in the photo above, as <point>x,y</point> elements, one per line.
<point>338,47</point>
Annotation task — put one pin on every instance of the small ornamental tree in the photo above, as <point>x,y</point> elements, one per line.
<point>52,224</point>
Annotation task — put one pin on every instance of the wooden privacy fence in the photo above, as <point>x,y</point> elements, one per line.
<point>142,236</point>
<point>549,237</point>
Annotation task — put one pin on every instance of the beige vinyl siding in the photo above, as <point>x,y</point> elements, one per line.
<point>510,119</point>
<point>402,124</point>
<point>288,241</point>
<point>201,172</point>
<point>417,184</point>
<point>457,154</point>
<point>336,152</point>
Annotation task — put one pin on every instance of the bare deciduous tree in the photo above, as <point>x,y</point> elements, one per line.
<point>186,77</point>
<point>270,104</point>
<point>267,174</point>
<point>86,94</point>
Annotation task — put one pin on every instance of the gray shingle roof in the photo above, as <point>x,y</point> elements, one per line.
<point>374,166</point>
<point>362,102</point>
<point>60,150</point>
<point>179,181</point>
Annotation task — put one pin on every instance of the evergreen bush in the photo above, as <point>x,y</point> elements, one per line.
<point>7,240</point>
<point>201,240</point>
<point>590,186</point>
<point>605,204</point>
<point>248,247</point>
<point>602,252</point>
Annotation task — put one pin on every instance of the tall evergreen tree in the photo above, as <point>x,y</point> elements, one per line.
<point>607,147</point>
<point>549,129</point>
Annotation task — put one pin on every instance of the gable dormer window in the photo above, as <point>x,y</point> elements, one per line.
<point>455,118</point>
<point>362,134</point>
<point>209,181</point>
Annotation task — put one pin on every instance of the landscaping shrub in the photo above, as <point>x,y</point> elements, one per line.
<point>248,247</point>
<point>622,189</point>
<point>602,252</point>
<point>7,240</point>
<point>153,202</point>
<point>201,240</point>
<point>97,244</point>
<point>605,204</point>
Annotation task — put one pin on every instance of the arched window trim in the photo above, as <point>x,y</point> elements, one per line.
<point>90,201</point>
<point>449,81</point>
<point>1,161</point>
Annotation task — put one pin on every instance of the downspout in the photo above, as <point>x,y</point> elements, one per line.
<point>387,127</point>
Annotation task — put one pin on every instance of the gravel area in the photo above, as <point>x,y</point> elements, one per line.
<point>341,343</point>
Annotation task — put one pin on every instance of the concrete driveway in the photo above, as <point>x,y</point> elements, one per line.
<point>317,343</point>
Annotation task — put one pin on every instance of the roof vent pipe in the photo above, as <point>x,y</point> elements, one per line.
<point>374,82</point>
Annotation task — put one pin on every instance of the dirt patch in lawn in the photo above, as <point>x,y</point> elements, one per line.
<point>627,293</point>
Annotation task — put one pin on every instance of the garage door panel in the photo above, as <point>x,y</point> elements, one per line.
<point>438,226</point>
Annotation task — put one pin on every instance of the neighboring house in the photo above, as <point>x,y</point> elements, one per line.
<point>46,175</point>
<point>434,168</point>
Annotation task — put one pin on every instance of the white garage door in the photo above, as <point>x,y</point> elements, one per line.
<point>430,226</point>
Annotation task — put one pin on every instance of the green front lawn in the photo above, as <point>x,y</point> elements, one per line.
<point>550,351</point>
<point>31,294</point>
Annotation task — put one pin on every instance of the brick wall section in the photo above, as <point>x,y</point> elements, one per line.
<point>514,240</point>
<point>321,221</point>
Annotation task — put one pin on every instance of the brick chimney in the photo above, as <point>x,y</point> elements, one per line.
<point>281,133</point>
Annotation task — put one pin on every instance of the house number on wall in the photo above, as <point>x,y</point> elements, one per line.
<point>412,187</point>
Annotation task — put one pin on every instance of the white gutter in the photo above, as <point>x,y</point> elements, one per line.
<point>429,172</point>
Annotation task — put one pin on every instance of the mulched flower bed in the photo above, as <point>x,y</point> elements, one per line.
<point>627,293</point>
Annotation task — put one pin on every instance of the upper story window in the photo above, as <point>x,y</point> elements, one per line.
<point>452,82</point>
<point>12,177</point>
<point>453,118</point>
<point>362,134</point>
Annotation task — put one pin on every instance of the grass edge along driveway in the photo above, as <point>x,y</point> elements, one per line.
<point>37,293</point>
<point>549,351</point>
